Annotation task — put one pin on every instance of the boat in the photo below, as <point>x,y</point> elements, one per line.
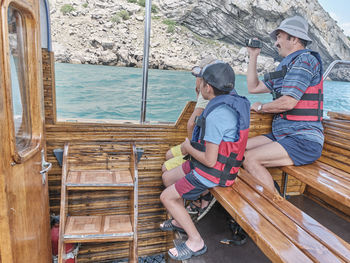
<point>104,179</point>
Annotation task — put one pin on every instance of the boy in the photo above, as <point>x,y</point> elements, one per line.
<point>216,154</point>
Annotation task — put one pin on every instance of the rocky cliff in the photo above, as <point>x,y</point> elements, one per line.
<point>111,32</point>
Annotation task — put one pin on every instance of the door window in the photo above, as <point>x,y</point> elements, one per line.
<point>19,80</point>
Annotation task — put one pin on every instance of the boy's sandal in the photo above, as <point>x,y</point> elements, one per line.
<point>203,211</point>
<point>184,252</point>
<point>169,226</point>
<point>207,197</point>
<point>192,208</point>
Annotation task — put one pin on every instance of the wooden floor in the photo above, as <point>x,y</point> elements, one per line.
<point>214,227</point>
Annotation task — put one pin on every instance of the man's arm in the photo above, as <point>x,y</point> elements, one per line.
<point>190,123</point>
<point>281,104</point>
<point>254,84</point>
<point>208,158</point>
<point>295,83</point>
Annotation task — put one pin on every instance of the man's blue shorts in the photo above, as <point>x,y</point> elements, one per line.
<point>301,151</point>
<point>189,187</point>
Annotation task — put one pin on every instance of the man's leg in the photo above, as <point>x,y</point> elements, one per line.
<point>257,141</point>
<point>174,203</point>
<point>266,155</point>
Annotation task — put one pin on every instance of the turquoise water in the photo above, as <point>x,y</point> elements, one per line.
<point>105,92</point>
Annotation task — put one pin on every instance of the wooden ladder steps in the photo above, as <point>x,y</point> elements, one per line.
<point>86,229</point>
<point>98,226</point>
<point>99,180</point>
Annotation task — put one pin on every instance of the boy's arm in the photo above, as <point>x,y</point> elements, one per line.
<point>208,158</point>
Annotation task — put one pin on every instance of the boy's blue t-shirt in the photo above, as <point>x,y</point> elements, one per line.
<point>221,125</point>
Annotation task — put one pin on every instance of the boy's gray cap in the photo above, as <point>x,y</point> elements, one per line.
<point>219,75</point>
<point>295,26</point>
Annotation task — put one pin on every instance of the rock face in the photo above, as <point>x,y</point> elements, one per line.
<point>98,32</point>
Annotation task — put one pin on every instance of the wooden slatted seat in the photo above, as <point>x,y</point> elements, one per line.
<point>282,231</point>
<point>330,175</point>
<point>334,182</point>
<point>86,229</point>
<point>99,179</point>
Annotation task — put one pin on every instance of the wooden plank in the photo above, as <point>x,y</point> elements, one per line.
<point>333,171</point>
<point>331,204</point>
<point>307,223</point>
<point>63,205</point>
<point>268,238</point>
<point>134,205</point>
<point>339,115</point>
<point>334,187</point>
<point>299,236</point>
<point>99,179</point>
<point>86,229</point>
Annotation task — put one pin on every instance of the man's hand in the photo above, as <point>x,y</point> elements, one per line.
<point>255,106</point>
<point>253,52</point>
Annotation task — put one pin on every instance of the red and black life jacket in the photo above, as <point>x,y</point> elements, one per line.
<point>230,155</point>
<point>310,105</point>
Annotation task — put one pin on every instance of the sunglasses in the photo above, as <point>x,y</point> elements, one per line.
<point>196,71</point>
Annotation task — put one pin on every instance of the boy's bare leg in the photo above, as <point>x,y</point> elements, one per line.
<point>172,176</point>
<point>174,203</point>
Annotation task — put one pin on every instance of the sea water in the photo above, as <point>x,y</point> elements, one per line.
<point>106,92</point>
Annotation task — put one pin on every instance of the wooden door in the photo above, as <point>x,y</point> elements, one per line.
<point>24,209</point>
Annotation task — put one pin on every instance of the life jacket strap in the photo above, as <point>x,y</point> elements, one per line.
<point>320,110</point>
<point>230,162</point>
<point>303,112</point>
<point>276,74</point>
<point>223,175</point>
<point>307,96</point>
<point>200,122</point>
<point>307,112</point>
<point>198,146</point>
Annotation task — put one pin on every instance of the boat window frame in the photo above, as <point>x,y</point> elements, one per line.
<point>32,77</point>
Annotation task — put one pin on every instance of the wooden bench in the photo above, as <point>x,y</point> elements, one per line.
<point>330,175</point>
<point>283,232</point>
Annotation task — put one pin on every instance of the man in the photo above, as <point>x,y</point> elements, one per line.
<point>297,133</point>
<point>216,154</point>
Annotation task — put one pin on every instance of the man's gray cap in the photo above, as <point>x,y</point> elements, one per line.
<point>295,26</point>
